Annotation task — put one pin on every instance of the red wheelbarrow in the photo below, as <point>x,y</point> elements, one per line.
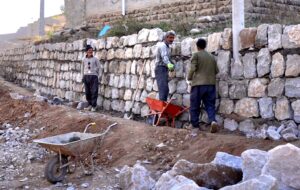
<point>164,110</point>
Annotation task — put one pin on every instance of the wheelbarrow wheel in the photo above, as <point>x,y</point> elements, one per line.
<point>53,172</point>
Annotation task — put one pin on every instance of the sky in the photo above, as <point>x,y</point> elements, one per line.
<point>17,13</point>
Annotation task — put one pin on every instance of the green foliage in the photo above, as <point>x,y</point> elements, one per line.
<point>49,33</point>
<point>126,27</point>
<point>131,26</point>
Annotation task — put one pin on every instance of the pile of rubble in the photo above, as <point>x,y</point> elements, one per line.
<point>287,130</point>
<point>16,151</point>
<point>255,169</point>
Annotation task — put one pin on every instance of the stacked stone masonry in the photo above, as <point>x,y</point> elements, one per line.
<point>206,14</point>
<point>264,84</point>
<point>195,11</point>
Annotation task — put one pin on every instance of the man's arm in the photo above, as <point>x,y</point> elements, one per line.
<point>98,67</point>
<point>217,69</point>
<point>82,70</point>
<point>193,65</point>
<point>164,54</point>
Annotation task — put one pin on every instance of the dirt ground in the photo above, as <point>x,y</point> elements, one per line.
<point>126,143</point>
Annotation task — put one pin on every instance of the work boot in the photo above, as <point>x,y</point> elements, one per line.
<point>88,108</point>
<point>94,109</point>
<point>213,127</point>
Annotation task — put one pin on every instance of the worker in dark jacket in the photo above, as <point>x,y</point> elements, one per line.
<point>163,65</point>
<point>202,78</point>
<point>90,72</point>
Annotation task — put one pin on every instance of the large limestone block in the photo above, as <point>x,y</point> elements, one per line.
<point>131,40</point>
<point>276,87</point>
<point>172,86</point>
<point>128,53</point>
<point>119,54</point>
<point>145,110</point>
<point>292,87</point>
<point>230,124</point>
<point>282,109</point>
<point>253,162</point>
<point>128,94</point>
<point>155,34</point>
<point>143,35</point>
<point>137,51</point>
<point>263,62</point>
<point>238,90</point>
<point>135,178</point>
<point>274,37</point>
<point>291,37</point>
<point>133,67</point>
<point>292,66</point>
<point>223,62</point>
<point>223,89</point>
<point>113,67</point>
<point>122,67</point>
<point>214,42</point>
<point>226,106</point>
<point>249,62</point>
<point>226,41</point>
<point>283,164</point>
<point>263,182</point>
<point>112,42</point>
<point>182,87</point>
<point>266,107</point>
<point>257,87</point>
<point>110,54</point>
<point>223,158</point>
<point>106,104</point>
<point>128,67</point>
<point>247,107</point>
<point>121,81</point>
<point>186,47</point>
<point>261,38</point>
<point>146,52</point>
<point>247,126</point>
<point>296,110</point>
<point>247,38</point>
<point>179,69</point>
<point>237,69</point>
<point>101,43</point>
<point>168,182</point>
<point>149,84</point>
<point>278,65</point>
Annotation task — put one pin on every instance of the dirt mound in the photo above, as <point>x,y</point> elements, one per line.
<point>158,148</point>
<point>130,141</point>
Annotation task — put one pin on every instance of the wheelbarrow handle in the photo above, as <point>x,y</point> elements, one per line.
<point>88,125</point>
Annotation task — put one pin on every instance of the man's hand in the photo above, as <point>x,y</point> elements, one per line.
<point>188,82</point>
<point>170,66</point>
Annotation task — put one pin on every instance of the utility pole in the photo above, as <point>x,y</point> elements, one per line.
<point>238,23</point>
<point>123,7</point>
<point>42,18</point>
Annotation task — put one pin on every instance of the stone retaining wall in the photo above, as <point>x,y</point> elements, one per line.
<point>265,84</point>
<point>276,11</point>
<point>207,14</point>
<point>202,13</point>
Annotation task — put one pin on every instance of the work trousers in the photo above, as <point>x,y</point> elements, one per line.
<point>91,89</point>
<point>206,94</point>
<point>161,76</point>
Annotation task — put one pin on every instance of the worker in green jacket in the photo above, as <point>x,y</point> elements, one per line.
<point>202,78</point>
